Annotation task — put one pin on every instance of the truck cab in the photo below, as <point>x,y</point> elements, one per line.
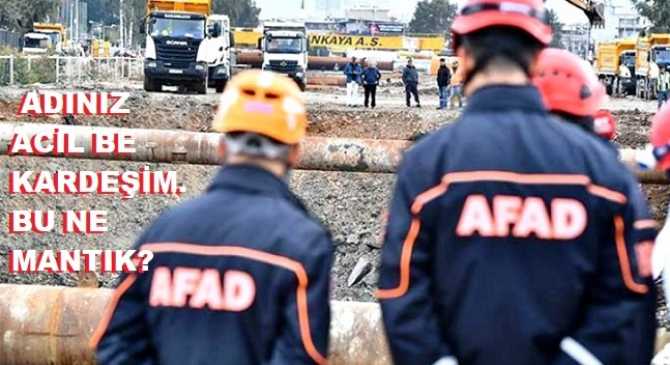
<point>285,47</point>
<point>45,37</point>
<point>186,46</point>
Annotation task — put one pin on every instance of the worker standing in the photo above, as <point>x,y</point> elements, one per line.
<point>410,78</point>
<point>662,84</point>
<point>239,275</point>
<point>510,237</point>
<point>572,92</point>
<point>353,72</point>
<point>443,81</point>
<point>456,92</point>
<point>660,140</point>
<point>371,76</point>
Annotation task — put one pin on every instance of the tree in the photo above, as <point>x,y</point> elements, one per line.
<point>432,16</point>
<point>658,13</point>
<point>19,15</point>
<point>242,13</point>
<point>556,27</point>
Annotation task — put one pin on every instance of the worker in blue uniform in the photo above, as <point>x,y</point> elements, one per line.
<point>511,235</point>
<point>240,275</point>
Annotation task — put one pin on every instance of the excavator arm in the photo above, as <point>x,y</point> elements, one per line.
<point>594,11</point>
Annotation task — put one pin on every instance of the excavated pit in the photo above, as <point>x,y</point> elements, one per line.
<point>351,204</point>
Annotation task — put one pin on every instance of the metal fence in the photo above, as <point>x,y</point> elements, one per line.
<point>68,70</point>
<point>10,39</point>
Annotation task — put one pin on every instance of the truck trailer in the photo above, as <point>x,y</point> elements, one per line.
<point>652,54</point>
<point>615,66</point>
<point>45,37</point>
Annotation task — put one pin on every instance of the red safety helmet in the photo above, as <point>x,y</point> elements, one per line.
<point>660,137</point>
<point>568,84</point>
<point>604,124</point>
<point>526,15</point>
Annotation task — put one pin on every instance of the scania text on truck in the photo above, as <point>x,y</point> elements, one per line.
<point>186,46</point>
<point>615,66</point>
<point>284,47</point>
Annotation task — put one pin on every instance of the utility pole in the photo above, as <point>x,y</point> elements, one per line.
<point>76,20</point>
<point>121,30</point>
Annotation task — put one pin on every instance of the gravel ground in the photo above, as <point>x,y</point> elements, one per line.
<point>349,203</point>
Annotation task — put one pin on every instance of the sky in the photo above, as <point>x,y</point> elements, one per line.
<point>403,9</point>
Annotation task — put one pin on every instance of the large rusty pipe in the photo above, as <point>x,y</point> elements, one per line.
<point>172,146</point>
<point>329,63</point>
<point>254,59</point>
<point>52,325</point>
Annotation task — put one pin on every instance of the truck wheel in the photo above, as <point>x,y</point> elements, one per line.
<point>151,85</point>
<point>201,88</point>
<point>220,86</point>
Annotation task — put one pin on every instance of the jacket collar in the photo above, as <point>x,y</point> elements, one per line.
<point>253,180</point>
<point>506,97</point>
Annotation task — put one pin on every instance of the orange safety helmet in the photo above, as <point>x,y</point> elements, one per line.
<point>264,103</point>
<point>526,15</point>
<point>568,84</point>
<point>660,137</point>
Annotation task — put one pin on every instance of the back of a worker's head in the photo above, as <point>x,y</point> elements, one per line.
<point>571,89</point>
<point>496,36</point>
<point>263,118</point>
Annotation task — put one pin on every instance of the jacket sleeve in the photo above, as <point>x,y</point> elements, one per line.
<point>122,336</point>
<point>296,345</point>
<point>618,324</point>
<point>404,75</point>
<point>405,284</point>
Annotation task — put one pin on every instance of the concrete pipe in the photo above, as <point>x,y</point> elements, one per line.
<point>52,325</point>
<point>172,146</point>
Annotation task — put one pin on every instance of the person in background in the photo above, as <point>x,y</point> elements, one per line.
<point>410,78</point>
<point>456,91</point>
<point>510,237</point>
<point>662,84</point>
<point>241,274</point>
<point>371,76</point>
<point>353,73</point>
<point>443,81</point>
<point>660,140</point>
<point>572,92</point>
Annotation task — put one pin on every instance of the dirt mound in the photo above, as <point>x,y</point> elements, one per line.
<point>633,128</point>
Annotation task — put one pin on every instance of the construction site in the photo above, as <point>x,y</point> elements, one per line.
<point>346,179</point>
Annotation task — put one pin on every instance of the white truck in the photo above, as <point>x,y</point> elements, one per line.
<point>45,37</point>
<point>186,46</point>
<point>284,47</point>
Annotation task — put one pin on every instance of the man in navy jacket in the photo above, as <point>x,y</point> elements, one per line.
<point>240,275</point>
<point>511,235</point>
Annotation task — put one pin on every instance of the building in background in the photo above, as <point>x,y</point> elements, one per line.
<point>74,16</point>
<point>576,38</point>
<point>621,21</point>
<point>368,12</point>
<point>324,9</point>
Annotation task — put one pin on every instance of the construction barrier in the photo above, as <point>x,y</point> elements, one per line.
<point>53,325</point>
